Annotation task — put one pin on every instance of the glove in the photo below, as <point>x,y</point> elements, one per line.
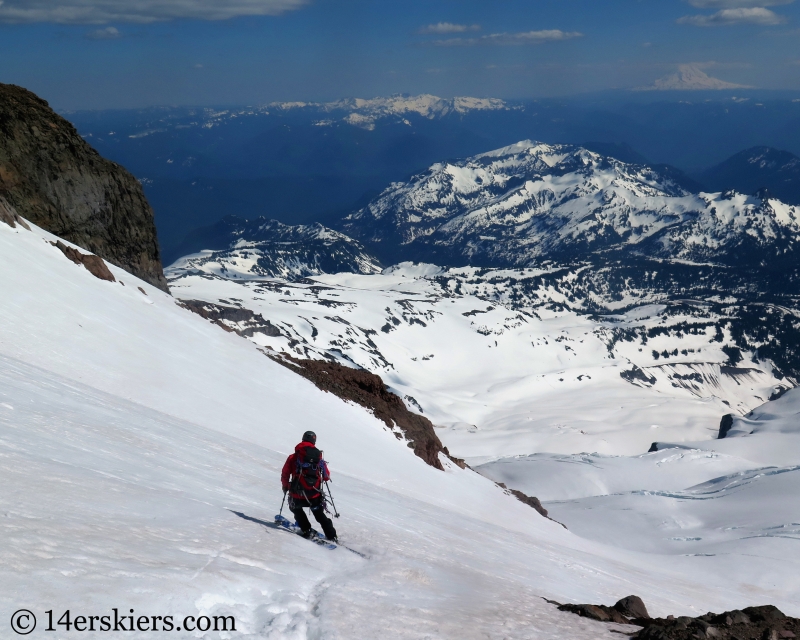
<point>285,489</point>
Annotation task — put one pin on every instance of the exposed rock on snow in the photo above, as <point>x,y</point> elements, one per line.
<point>752,623</point>
<point>54,179</point>
<point>632,607</point>
<point>9,215</point>
<point>93,264</point>
<point>724,427</point>
<point>531,501</point>
<point>236,319</point>
<point>369,391</point>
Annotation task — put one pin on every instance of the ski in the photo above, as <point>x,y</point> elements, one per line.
<point>315,537</point>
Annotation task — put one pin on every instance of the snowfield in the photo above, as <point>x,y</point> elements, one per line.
<point>141,447</point>
<point>496,380</point>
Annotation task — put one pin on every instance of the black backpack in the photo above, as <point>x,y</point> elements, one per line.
<point>308,470</point>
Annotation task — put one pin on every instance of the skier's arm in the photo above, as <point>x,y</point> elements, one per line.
<point>287,472</point>
<point>326,475</point>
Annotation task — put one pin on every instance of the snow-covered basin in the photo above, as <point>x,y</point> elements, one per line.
<point>133,434</point>
<point>495,382</point>
<point>715,499</point>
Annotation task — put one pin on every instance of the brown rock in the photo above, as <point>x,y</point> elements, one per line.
<point>368,390</point>
<point>52,177</point>
<point>98,268</point>
<point>93,264</point>
<point>7,213</point>
<point>632,607</point>
<point>595,612</point>
<point>531,501</point>
<point>459,462</point>
<point>586,611</point>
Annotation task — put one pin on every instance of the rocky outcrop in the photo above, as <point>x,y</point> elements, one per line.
<point>531,501</point>
<point>725,425</point>
<point>236,319</point>
<point>9,215</point>
<point>93,264</point>
<point>53,178</point>
<point>354,385</point>
<point>629,610</point>
<point>369,391</point>
<point>752,623</point>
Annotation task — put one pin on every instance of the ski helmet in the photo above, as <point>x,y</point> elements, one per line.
<point>310,436</point>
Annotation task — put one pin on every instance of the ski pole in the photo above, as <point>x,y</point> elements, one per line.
<point>333,504</point>
<point>280,513</point>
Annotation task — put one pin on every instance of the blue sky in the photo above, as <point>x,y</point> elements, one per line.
<point>133,53</point>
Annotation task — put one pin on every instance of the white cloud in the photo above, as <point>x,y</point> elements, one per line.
<point>137,11</point>
<point>734,4</point>
<point>449,27</point>
<point>754,15</point>
<point>109,33</point>
<point>525,37</point>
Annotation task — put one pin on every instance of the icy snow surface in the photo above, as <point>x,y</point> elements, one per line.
<point>132,433</point>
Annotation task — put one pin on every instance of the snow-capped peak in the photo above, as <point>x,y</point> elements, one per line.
<point>690,77</point>
<point>532,200</point>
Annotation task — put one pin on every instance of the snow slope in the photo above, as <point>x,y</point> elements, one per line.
<point>132,432</point>
<point>708,499</point>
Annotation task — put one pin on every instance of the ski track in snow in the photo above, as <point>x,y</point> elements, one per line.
<point>132,430</point>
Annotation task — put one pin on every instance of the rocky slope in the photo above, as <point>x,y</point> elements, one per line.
<point>52,177</point>
<point>751,623</point>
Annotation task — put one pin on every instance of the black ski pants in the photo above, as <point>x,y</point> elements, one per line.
<point>296,506</point>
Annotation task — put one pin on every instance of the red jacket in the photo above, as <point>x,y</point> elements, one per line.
<point>300,486</point>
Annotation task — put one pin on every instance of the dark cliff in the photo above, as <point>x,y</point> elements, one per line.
<point>52,177</point>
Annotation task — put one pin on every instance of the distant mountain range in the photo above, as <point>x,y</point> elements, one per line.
<point>758,168</point>
<point>562,226</point>
<point>531,201</point>
<point>314,162</point>
<point>365,113</point>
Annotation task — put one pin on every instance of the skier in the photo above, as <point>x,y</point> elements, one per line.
<point>302,476</point>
